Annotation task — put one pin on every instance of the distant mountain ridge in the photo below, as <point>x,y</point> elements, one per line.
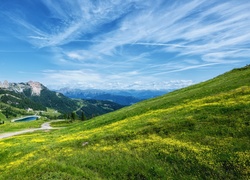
<point>123,97</point>
<point>35,96</point>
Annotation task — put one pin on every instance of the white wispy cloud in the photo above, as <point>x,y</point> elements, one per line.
<point>198,26</point>
<point>137,39</point>
<point>76,77</point>
<point>75,18</point>
<point>214,28</point>
<point>89,79</point>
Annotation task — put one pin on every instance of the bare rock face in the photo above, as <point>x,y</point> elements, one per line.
<point>5,84</point>
<point>36,88</point>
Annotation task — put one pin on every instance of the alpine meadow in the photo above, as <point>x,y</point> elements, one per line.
<point>125,90</point>
<point>198,132</point>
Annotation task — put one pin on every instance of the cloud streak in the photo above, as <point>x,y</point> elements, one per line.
<point>136,39</point>
<point>91,80</point>
<point>211,29</point>
<point>191,24</point>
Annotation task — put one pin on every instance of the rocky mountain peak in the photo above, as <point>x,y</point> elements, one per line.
<point>5,84</point>
<point>35,87</point>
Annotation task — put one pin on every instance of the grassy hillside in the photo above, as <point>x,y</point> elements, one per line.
<point>13,127</point>
<point>9,112</point>
<point>2,117</point>
<point>199,132</point>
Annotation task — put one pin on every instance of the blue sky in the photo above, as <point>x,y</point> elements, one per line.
<point>117,44</point>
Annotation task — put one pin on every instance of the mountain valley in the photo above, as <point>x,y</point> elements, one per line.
<point>33,97</point>
<point>123,97</point>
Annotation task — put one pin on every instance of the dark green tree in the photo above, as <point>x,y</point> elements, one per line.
<point>73,116</point>
<point>83,117</point>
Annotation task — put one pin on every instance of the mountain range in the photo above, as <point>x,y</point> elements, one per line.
<point>25,98</point>
<point>123,97</point>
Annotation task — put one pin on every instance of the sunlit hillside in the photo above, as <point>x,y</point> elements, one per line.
<point>199,132</point>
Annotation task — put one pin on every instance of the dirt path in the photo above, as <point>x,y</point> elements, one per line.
<point>44,126</point>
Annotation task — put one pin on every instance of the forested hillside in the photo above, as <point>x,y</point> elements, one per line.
<point>28,98</point>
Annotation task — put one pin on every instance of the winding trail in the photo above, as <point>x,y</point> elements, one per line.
<point>44,126</point>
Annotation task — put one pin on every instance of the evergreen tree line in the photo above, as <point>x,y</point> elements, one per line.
<point>73,116</point>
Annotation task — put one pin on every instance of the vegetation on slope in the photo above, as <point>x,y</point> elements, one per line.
<point>14,104</point>
<point>199,132</point>
<point>53,100</point>
<point>9,112</point>
<point>13,127</point>
<point>93,108</point>
<point>18,100</point>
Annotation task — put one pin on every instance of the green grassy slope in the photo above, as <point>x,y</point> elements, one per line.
<point>13,127</point>
<point>199,132</point>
